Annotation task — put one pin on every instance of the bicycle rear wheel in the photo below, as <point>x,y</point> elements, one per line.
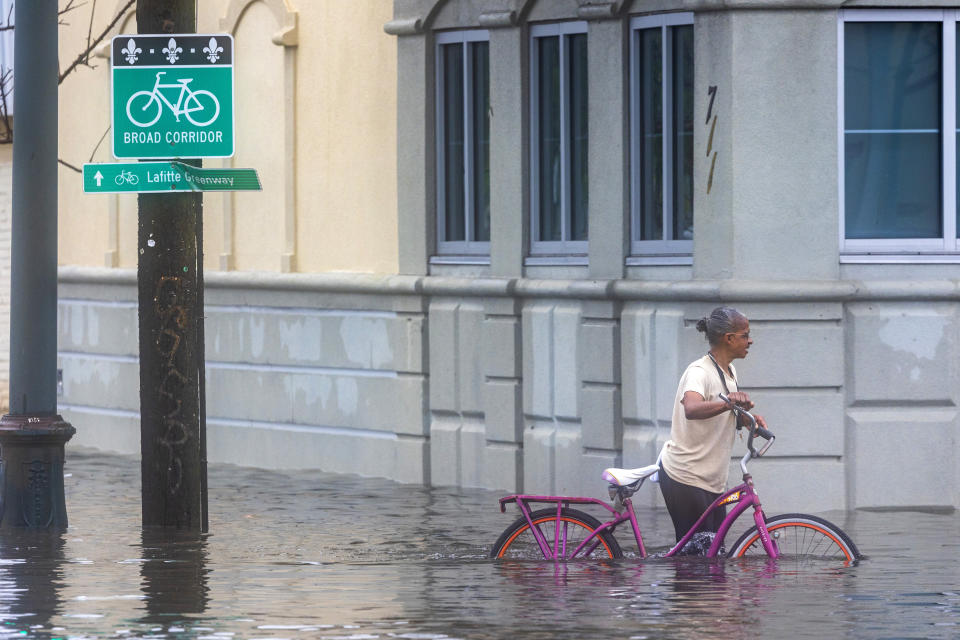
<point>144,108</point>
<point>799,537</point>
<point>518,541</point>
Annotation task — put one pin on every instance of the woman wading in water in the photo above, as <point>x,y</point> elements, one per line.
<point>695,461</point>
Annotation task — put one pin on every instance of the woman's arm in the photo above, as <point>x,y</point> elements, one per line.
<point>695,407</point>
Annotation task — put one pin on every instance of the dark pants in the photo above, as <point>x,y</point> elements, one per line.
<point>686,504</point>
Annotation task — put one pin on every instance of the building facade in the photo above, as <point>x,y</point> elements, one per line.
<point>575,183</point>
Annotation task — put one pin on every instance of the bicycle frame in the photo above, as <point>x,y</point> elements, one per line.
<point>184,91</point>
<point>743,496</point>
<point>558,551</point>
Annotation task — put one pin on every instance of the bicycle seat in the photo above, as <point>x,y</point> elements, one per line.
<point>625,477</point>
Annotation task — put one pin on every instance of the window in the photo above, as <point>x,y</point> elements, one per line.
<point>898,164</point>
<point>463,142</point>
<point>661,85</point>
<point>559,138</point>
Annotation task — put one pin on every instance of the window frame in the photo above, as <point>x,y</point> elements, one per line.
<point>446,249</point>
<point>666,250</point>
<point>907,250</point>
<point>540,248</point>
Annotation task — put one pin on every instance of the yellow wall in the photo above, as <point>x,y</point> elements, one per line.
<point>342,152</point>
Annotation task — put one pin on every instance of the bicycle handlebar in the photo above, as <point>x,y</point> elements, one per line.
<point>754,429</point>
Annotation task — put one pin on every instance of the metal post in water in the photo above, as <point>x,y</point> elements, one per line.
<point>32,435</point>
<point>170,293</point>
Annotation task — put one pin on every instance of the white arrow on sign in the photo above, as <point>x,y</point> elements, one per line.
<point>98,177</point>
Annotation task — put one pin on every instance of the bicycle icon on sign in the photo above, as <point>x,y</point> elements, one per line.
<point>126,177</point>
<point>148,105</point>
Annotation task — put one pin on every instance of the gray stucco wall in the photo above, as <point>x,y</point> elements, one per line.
<point>539,385</point>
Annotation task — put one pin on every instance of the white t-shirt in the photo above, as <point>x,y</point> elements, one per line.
<point>698,452</point>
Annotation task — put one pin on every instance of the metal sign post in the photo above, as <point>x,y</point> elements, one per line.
<point>32,435</point>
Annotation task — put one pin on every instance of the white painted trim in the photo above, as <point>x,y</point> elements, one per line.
<point>470,35</point>
<point>287,36</point>
<point>304,428</point>
<point>382,290</point>
<point>483,260</point>
<point>891,15</point>
<point>892,258</point>
<point>661,20</point>
<point>98,357</point>
<point>659,260</point>
<point>85,302</point>
<point>243,366</point>
<point>666,139</point>
<point>841,146</point>
<point>295,369</point>
<point>556,261</point>
<point>948,95</point>
<point>297,311</point>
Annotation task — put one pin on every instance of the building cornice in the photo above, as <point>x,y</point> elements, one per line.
<point>800,291</point>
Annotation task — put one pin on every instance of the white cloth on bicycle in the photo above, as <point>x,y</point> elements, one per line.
<point>623,477</point>
<point>698,452</point>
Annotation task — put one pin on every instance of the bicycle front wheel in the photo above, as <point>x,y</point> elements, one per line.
<point>206,106</point>
<point>518,540</point>
<point>799,537</point>
<point>144,108</point>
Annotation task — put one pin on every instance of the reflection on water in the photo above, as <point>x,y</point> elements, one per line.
<point>312,555</point>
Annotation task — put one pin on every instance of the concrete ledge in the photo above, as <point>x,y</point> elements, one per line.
<point>666,291</point>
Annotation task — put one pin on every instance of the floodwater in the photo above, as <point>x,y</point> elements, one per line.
<point>313,555</point>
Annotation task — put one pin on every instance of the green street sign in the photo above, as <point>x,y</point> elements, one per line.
<point>172,96</point>
<point>164,177</point>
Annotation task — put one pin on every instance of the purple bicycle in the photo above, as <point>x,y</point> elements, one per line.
<point>560,532</point>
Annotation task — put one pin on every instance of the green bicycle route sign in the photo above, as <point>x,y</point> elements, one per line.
<point>172,96</point>
<point>164,177</point>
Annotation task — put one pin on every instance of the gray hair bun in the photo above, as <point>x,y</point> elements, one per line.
<point>722,320</point>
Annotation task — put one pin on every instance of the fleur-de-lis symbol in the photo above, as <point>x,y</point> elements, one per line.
<point>172,51</point>
<point>212,50</point>
<point>131,51</point>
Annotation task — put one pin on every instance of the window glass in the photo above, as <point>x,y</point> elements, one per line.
<point>453,142</point>
<point>577,48</point>
<point>559,113</point>
<point>683,132</point>
<point>651,126</point>
<point>463,142</point>
<point>480,64</point>
<point>892,130</point>
<point>549,180</point>
<point>662,154</point>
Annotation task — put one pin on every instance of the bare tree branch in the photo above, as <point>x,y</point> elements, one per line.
<point>102,138</point>
<point>8,26</point>
<point>6,80</point>
<point>69,166</point>
<point>70,6</point>
<point>86,53</point>
<point>93,12</point>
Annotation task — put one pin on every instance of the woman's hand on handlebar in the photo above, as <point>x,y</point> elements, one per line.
<point>741,399</point>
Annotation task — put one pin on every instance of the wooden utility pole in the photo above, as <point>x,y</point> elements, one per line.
<point>170,293</point>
